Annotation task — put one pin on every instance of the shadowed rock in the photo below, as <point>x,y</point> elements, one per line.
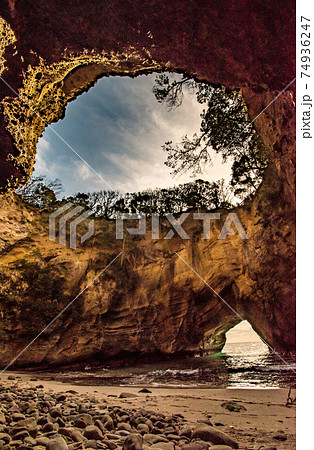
<point>155,303</point>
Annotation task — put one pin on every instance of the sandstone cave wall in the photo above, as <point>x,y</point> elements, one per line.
<point>52,52</point>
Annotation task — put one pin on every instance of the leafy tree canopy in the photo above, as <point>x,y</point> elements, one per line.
<point>198,194</point>
<point>225,130</point>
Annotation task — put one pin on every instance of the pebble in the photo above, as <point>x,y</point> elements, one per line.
<point>233,406</point>
<point>42,440</point>
<point>73,434</point>
<point>91,444</point>
<point>127,395</point>
<point>28,424</point>
<point>124,426</point>
<point>57,444</point>
<point>93,432</point>
<point>280,437</point>
<point>197,445</point>
<point>143,427</point>
<point>111,445</point>
<point>31,417</point>
<point>186,431</point>
<point>154,439</point>
<point>221,447</point>
<point>29,440</point>
<point>164,446</point>
<point>6,438</point>
<point>108,422</point>
<point>133,442</point>
<point>17,416</point>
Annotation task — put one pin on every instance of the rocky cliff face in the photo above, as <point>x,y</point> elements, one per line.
<point>151,301</point>
<point>148,300</point>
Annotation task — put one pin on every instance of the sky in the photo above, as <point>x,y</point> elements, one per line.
<point>118,128</point>
<point>243,332</point>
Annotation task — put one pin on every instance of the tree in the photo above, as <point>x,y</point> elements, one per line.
<point>205,195</point>
<point>81,198</point>
<point>172,93</point>
<point>40,191</point>
<point>101,203</point>
<point>220,194</point>
<point>225,129</point>
<point>188,196</point>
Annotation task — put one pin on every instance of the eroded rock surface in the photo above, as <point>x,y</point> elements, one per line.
<point>147,301</point>
<point>152,301</point>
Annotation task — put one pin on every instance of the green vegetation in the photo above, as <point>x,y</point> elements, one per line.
<point>225,130</point>
<point>198,194</point>
<point>32,294</point>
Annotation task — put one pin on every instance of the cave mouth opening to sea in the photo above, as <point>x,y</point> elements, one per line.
<point>242,333</point>
<point>244,362</point>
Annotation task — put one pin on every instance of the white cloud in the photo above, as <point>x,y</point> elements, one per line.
<point>43,148</point>
<point>118,127</point>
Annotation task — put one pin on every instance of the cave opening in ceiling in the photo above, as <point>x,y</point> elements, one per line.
<point>156,135</point>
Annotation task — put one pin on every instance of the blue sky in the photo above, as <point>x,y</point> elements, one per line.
<point>118,127</point>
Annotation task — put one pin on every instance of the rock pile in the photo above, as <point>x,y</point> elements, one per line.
<point>34,418</point>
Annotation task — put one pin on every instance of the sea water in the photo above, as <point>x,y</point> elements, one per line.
<point>239,365</point>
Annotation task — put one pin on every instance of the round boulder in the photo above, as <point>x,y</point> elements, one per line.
<point>57,444</point>
<point>93,432</point>
<point>210,434</point>
<point>133,442</point>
